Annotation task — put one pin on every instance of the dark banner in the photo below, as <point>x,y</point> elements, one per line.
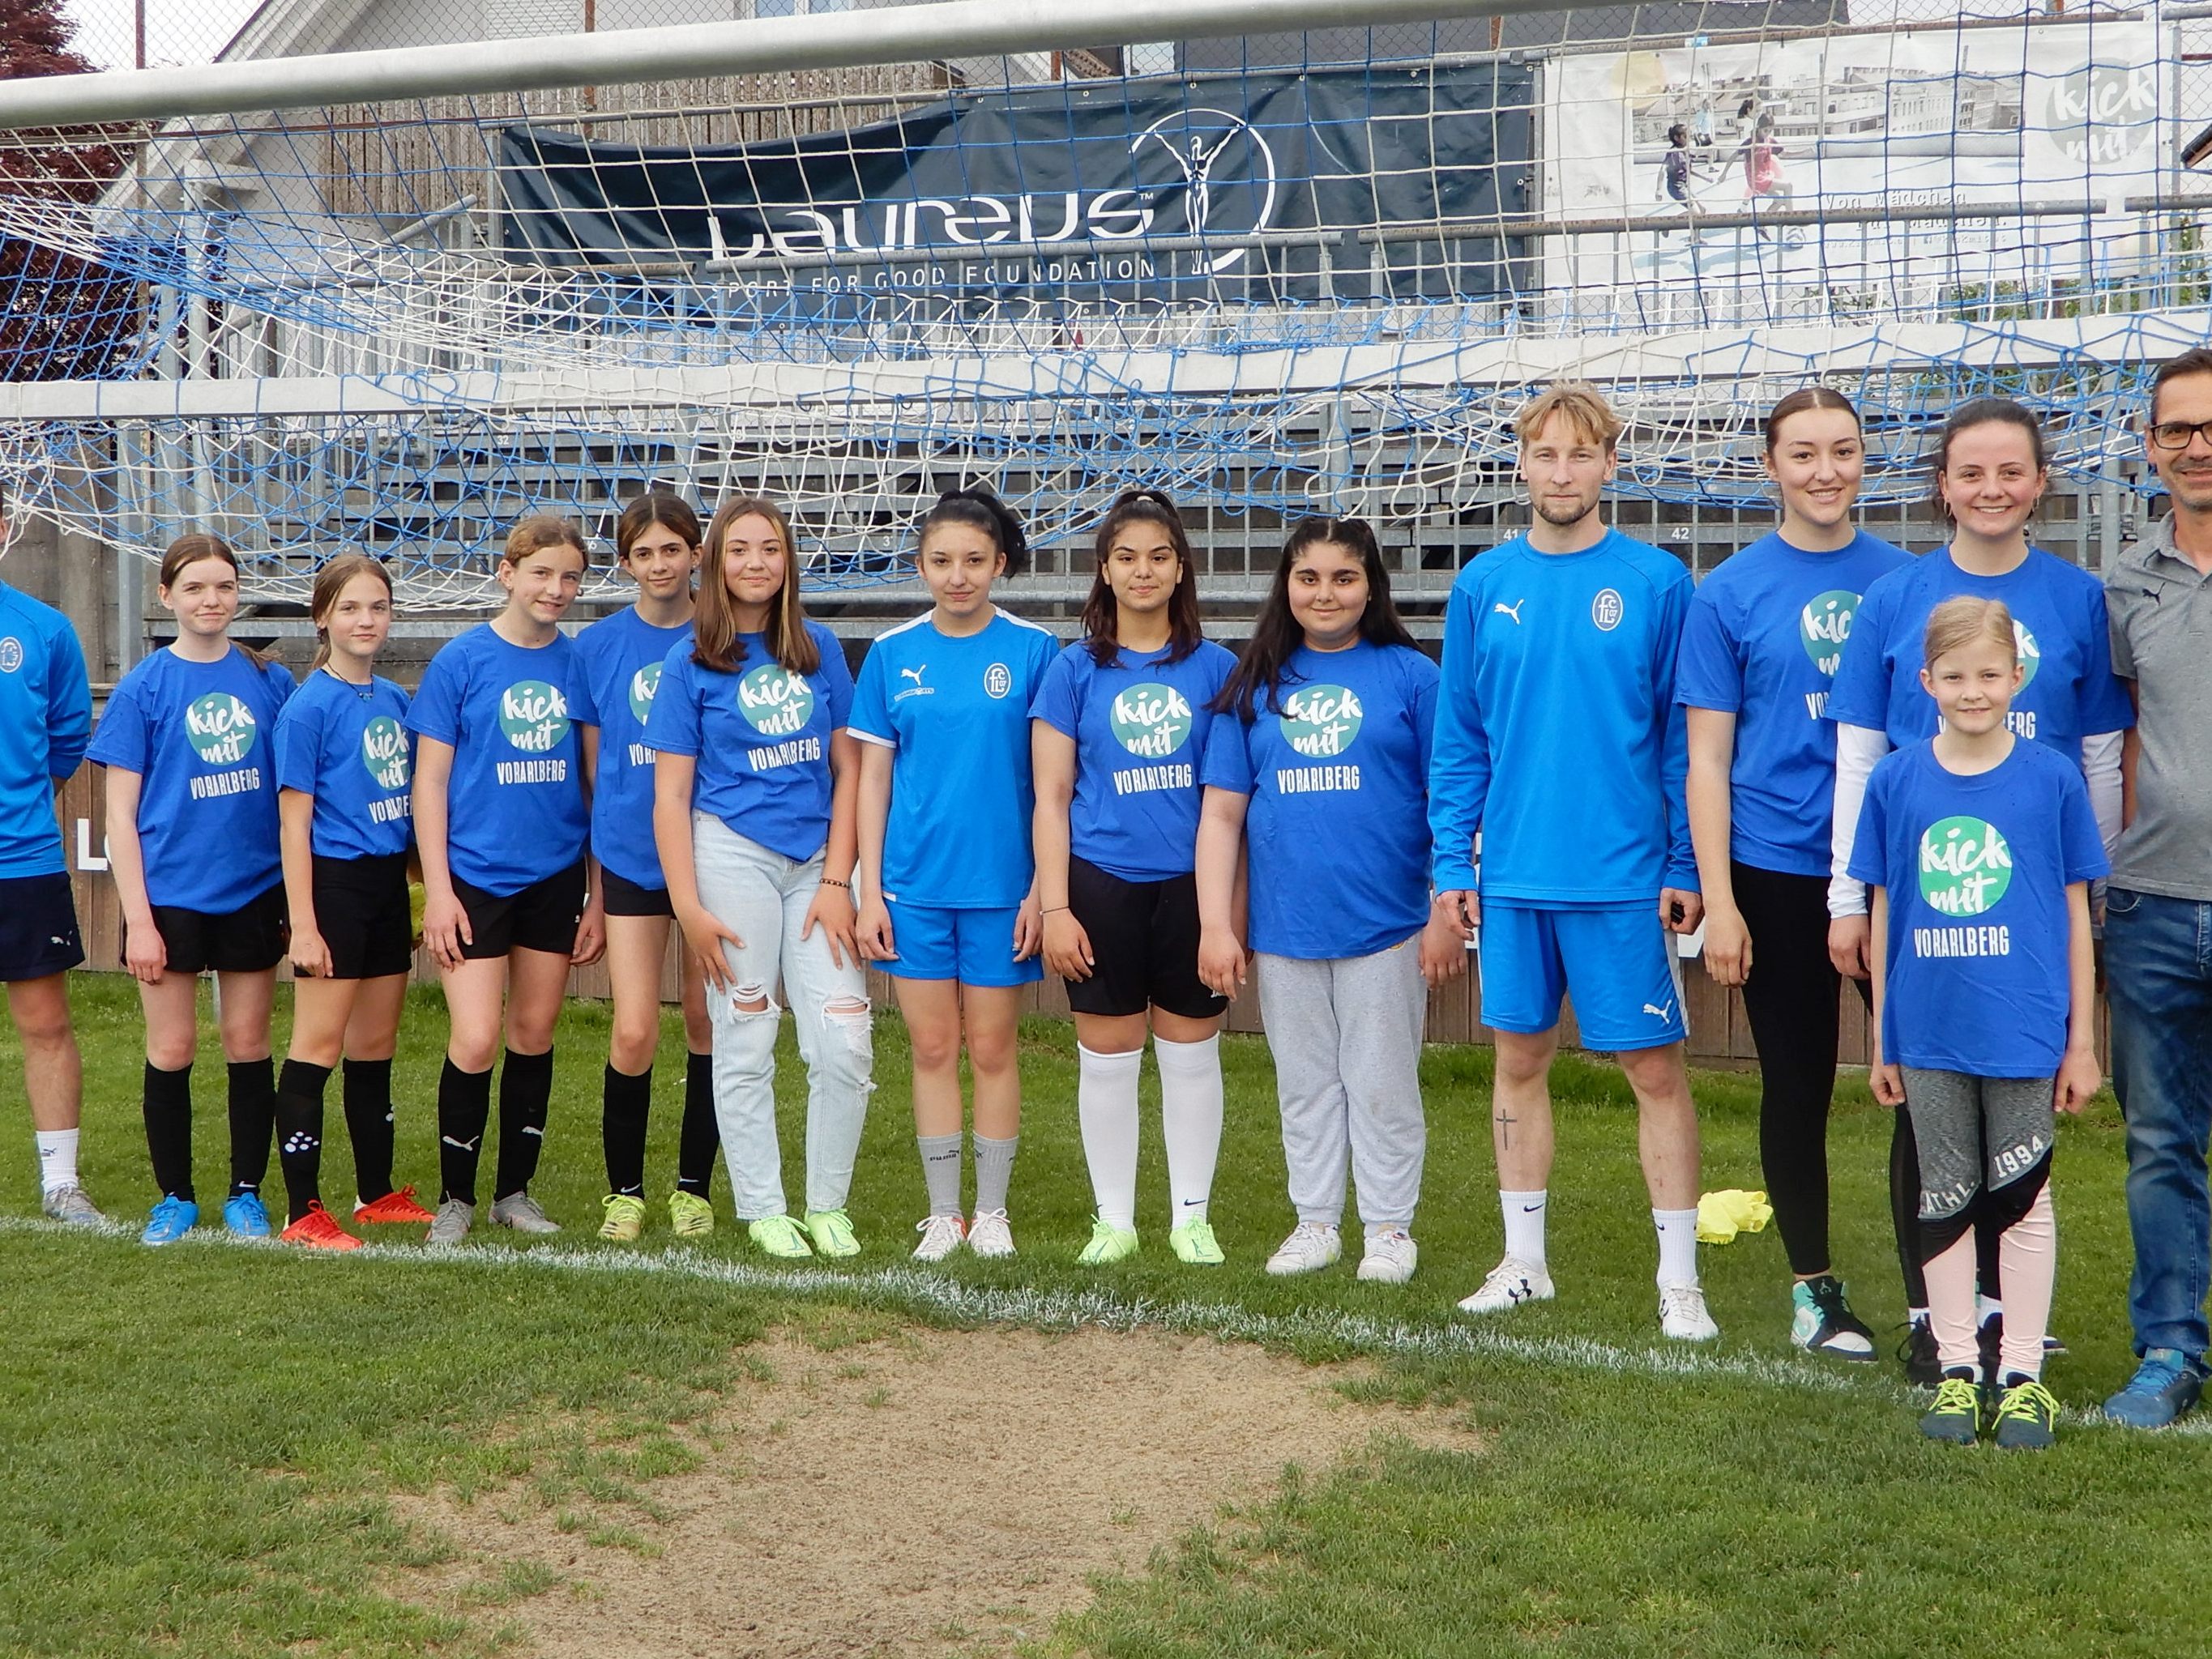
<point>1082,187</point>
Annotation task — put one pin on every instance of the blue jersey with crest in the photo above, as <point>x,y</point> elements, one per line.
<point>45,721</point>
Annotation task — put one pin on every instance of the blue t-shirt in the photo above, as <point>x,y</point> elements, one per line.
<point>1336,765</point>
<point>1558,735</point>
<point>200,735</point>
<point>957,713</point>
<point>1765,634</point>
<point>45,721</point>
<point>761,739</point>
<point>1977,871</point>
<point>619,659</point>
<point>2069,690</point>
<point>346,746</point>
<point>514,802</point>
<point>1140,733</point>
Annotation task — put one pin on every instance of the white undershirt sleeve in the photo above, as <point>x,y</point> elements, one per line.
<point>2100,767</point>
<point>1857,748</point>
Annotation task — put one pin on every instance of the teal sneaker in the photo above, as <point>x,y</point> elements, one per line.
<point>1955,1419</point>
<point>1109,1244</point>
<point>2167,1384</point>
<point>171,1219</point>
<point>246,1217</point>
<point>831,1232</point>
<point>779,1236</point>
<point>1194,1244</point>
<point>2027,1418</point>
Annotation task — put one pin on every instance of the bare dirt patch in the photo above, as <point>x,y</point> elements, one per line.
<point>926,1491</point>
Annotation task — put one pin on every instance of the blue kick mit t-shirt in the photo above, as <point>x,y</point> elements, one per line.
<point>761,737</point>
<point>1558,735</point>
<point>1765,636</point>
<point>1336,766</point>
<point>957,712</point>
<point>45,721</point>
<point>200,735</point>
<point>1140,733</point>
<point>620,660</point>
<point>1976,870</point>
<point>515,801</point>
<point>346,746</point>
<point>2069,691</point>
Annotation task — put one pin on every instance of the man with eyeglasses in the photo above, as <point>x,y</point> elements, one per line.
<point>2158,915</point>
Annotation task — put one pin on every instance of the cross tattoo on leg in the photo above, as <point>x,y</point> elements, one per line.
<point>1505,1121</point>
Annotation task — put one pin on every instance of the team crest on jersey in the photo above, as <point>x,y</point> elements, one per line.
<point>998,679</point>
<point>534,715</point>
<point>1151,721</point>
<point>1607,610</point>
<point>11,655</point>
<point>775,702</point>
<point>2030,653</point>
<point>1321,720</point>
<point>643,686</point>
<point>222,728</point>
<point>1965,866</point>
<point>1823,626</point>
<point>384,752</point>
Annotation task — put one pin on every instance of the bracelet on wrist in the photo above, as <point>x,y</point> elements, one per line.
<point>832,881</point>
<point>1057,909</point>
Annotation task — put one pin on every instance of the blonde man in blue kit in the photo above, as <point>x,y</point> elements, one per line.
<point>1558,740</point>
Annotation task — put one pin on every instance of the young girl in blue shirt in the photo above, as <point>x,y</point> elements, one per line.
<point>753,796</point>
<point>343,768</point>
<point>1323,743</point>
<point>502,811</point>
<point>1119,731</point>
<point>192,843</point>
<point>950,906</point>
<point>1979,849</point>
<point>620,659</point>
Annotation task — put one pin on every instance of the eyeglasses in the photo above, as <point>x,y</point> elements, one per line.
<point>2176,434</point>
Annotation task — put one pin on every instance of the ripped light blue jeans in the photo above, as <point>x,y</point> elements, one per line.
<point>763,897</point>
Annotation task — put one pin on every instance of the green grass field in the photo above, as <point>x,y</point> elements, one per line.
<point>197,1446</point>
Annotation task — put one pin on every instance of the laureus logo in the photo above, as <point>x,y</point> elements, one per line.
<point>643,685</point>
<point>775,702</point>
<point>1321,720</point>
<point>1149,720</point>
<point>222,728</point>
<point>1228,176</point>
<point>534,715</point>
<point>1965,866</point>
<point>384,752</point>
<point>1823,626</point>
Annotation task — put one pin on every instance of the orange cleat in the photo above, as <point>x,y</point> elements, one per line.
<point>392,1207</point>
<point>316,1231</point>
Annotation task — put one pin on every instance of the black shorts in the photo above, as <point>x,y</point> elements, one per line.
<point>362,913</point>
<point>38,928</point>
<point>251,939</point>
<point>624,897</point>
<point>542,916</point>
<point>1143,945</point>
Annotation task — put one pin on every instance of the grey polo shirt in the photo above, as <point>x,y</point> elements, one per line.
<point>2161,613</point>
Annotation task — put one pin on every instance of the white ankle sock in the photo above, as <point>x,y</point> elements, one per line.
<point>1106,1107</point>
<point>1190,1118</point>
<point>1678,1245</point>
<point>1524,1224</point>
<point>57,1158</point>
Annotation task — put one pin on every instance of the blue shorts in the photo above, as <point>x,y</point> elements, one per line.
<point>976,947</point>
<point>1619,964</point>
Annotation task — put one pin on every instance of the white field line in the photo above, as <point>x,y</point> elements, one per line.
<point>914,1290</point>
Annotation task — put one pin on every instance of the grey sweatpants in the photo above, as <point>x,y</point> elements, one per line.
<point>1975,1134</point>
<point>1347,1038</point>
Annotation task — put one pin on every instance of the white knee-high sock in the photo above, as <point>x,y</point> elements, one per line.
<point>1106,1107</point>
<point>1190,1118</point>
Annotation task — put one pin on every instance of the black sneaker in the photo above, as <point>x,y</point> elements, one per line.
<point>1923,1369</point>
<point>1822,1322</point>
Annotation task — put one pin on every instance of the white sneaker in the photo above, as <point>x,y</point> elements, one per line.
<point>990,1235</point>
<point>1511,1283</point>
<point>1682,1314</point>
<point>941,1235</point>
<point>451,1225</point>
<point>1310,1247</point>
<point>1390,1257</point>
<point>520,1212</point>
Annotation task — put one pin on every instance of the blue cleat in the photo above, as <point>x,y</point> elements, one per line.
<point>2167,1384</point>
<point>171,1219</point>
<point>245,1217</point>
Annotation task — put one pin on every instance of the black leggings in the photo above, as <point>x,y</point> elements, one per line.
<point>1790,999</point>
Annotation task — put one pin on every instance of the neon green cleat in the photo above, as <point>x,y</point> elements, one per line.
<point>779,1236</point>
<point>1194,1243</point>
<point>1109,1244</point>
<point>689,1216</point>
<point>832,1233</point>
<point>625,1218</point>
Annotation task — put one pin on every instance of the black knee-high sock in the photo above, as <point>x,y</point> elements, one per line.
<point>300,1132</point>
<point>525,1091</point>
<point>702,1136</point>
<point>464,1109</point>
<point>1905,1208</point>
<point>626,1101</point>
<point>369,1125</point>
<point>168,1102</point>
<point>252,1122</point>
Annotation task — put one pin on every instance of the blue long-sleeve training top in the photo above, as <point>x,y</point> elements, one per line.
<point>45,721</point>
<point>1557,732</point>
